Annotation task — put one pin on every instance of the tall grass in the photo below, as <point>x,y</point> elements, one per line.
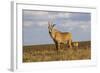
<point>39,53</point>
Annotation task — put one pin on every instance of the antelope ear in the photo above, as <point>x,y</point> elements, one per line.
<point>53,25</point>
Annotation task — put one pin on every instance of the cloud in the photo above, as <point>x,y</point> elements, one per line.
<point>35,24</point>
<point>42,23</point>
<point>64,15</point>
<point>66,20</point>
<point>71,25</point>
<point>80,16</point>
<point>59,15</point>
<point>43,15</point>
<point>85,27</point>
<point>35,13</point>
<point>27,23</point>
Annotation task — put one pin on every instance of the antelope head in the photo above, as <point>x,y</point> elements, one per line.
<point>50,26</point>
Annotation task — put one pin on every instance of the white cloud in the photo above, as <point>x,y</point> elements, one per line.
<point>65,15</point>
<point>47,15</point>
<point>27,23</point>
<point>70,29</point>
<point>52,16</point>
<point>39,23</point>
<point>35,13</point>
<point>58,15</point>
<point>84,25</point>
<point>42,23</point>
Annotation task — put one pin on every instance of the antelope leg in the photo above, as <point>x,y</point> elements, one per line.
<point>56,44</point>
<point>70,43</point>
<point>59,46</point>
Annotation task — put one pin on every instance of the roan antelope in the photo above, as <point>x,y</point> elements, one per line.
<point>59,37</point>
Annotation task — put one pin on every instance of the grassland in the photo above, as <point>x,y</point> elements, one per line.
<point>48,52</point>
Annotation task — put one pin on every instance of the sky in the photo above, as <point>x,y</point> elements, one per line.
<point>35,26</point>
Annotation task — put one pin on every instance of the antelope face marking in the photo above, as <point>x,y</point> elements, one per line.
<point>50,27</point>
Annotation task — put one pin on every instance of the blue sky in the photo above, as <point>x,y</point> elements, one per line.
<point>35,26</point>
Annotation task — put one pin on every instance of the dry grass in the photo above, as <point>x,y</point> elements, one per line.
<point>39,53</point>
